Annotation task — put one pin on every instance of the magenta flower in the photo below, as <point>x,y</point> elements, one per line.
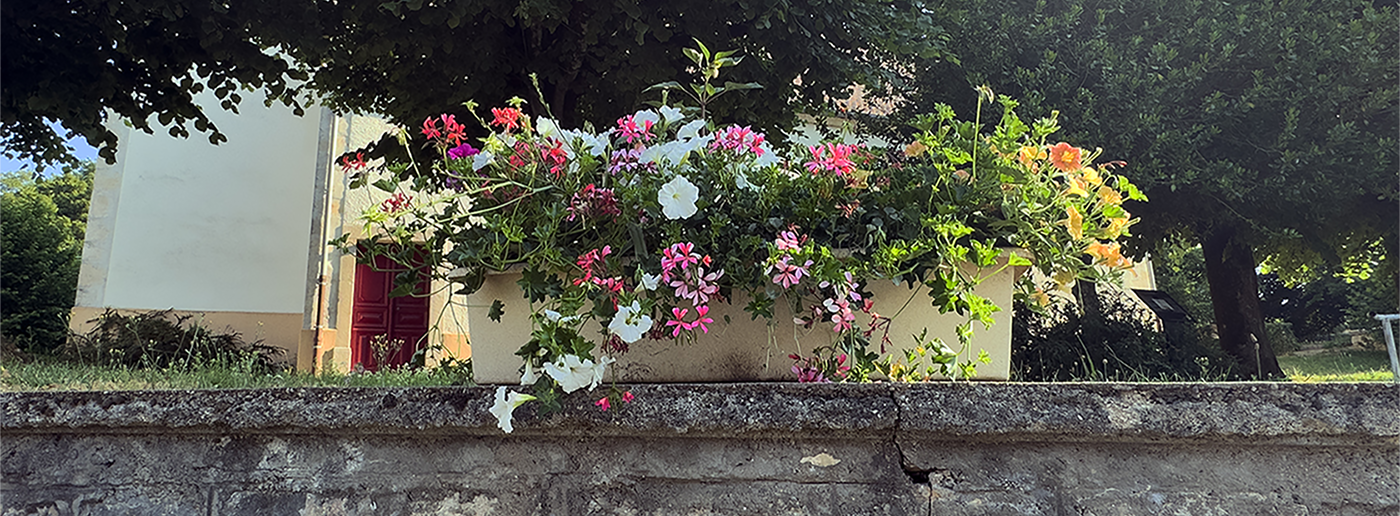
<point>739,139</point>
<point>627,396</point>
<point>678,313</point>
<point>789,274</point>
<point>631,131</point>
<point>832,157</point>
<point>787,241</point>
<point>462,151</point>
<point>628,160</point>
<point>603,404</point>
<point>841,314</point>
<point>701,320</point>
<point>681,254</point>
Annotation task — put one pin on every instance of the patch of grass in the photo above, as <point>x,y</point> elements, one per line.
<point>47,374</point>
<point>1341,365</point>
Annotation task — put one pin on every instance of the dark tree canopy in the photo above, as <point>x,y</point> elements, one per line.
<point>1260,129</point>
<point>68,60</point>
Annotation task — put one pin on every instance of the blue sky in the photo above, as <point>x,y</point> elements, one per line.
<point>80,149</point>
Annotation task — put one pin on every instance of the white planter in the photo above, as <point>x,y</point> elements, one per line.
<point>742,350</point>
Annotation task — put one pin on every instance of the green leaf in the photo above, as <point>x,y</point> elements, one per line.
<point>387,184</point>
<point>498,309</point>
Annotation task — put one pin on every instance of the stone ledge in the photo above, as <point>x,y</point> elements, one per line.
<point>1254,413</point>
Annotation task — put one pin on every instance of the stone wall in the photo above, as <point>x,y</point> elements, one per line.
<point>758,449</point>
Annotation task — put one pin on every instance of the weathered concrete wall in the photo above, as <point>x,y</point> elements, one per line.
<point>759,449</point>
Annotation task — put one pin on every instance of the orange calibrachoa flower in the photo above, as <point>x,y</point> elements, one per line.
<point>1077,187</point>
<point>1075,222</point>
<point>1029,155</point>
<point>1110,196</point>
<point>1116,226</point>
<point>1040,297</point>
<point>1109,254</point>
<point>1066,157</point>
<point>1092,176</point>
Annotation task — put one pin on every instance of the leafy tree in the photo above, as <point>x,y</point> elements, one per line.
<point>1266,131</point>
<point>41,240</point>
<point>409,59</point>
<point>72,60</point>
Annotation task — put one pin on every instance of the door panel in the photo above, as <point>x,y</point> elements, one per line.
<point>375,313</point>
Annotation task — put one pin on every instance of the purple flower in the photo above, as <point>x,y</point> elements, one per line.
<point>461,151</point>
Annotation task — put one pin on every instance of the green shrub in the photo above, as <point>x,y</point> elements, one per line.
<point>1281,336</point>
<point>164,339</point>
<point>40,272</point>
<point>1114,343</point>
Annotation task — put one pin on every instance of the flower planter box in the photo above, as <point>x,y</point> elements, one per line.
<point>742,350</point>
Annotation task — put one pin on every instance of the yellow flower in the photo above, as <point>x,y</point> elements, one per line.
<point>1040,297</point>
<point>1063,278</point>
<point>1092,176</point>
<point>1075,221</point>
<point>915,149</point>
<point>1077,187</point>
<point>1109,254</point>
<point>1116,226</point>
<point>1110,196</point>
<point>1029,155</point>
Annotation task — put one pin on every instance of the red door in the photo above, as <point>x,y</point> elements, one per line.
<point>400,323</point>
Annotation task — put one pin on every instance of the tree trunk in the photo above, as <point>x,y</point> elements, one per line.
<point>1234,293</point>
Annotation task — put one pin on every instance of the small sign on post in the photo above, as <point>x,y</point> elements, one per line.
<point>1385,320</point>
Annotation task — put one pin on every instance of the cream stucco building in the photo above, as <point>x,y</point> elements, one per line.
<point>235,234</point>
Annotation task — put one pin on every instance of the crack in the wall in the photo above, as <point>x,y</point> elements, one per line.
<point>916,476</point>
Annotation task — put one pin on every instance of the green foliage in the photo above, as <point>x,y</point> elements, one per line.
<point>145,60</point>
<point>1281,335</point>
<point>39,253</point>
<point>594,59</point>
<point>165,340</point>
<point>1278,118</point>
<point>69,61</point>
<point>1117,343</point>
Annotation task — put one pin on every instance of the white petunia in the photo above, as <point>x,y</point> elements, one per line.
<point>630,323</point>
<point>678,198</point>
<point>504,408</point>
<point>650,281</point>
<point>546,127</point>
<point>559,318</point>
<point>671,114</point>
<point>530,376</point>
<point>481,159</point>
<point>742,181</point>
<point>570,372</point>
<point>595,145</point>
<point>690,130</point>
<point>599,369</point>
<point>646,115</point>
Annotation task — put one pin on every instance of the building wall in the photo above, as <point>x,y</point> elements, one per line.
<point>180,223</point>
<point>235,234</point>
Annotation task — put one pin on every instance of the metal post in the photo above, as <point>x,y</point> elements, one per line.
<point>1390,343</point>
